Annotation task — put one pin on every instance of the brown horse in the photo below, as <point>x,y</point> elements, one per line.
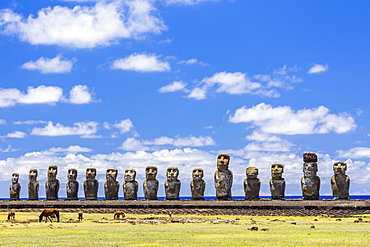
<point>11,215</point>
<point>80,215</point>
<point>48,214</point>
<point>117,214</point>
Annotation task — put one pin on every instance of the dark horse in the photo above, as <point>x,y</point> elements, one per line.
<point>48,214</point>
<point>11,215</point>
<point>117,214</point>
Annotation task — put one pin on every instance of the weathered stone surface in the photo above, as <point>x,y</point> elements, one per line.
<point>15,187</point>
<point>252,184</point>
<point>309,157</point>
<point>310,182</point>
<point>72,185</point>
<point>172,185</point>
<point>91,185</point>
<point>111,186</point>
<point>223,178</point>
<point>33,185</point>
<point>52,184</point>
<point>130,186</point>
<point>277,182</point>
<point>151,184</point>
<point>197,185</point>
<point>340,181</point>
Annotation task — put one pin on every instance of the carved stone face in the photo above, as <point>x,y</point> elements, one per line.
<point>111,174</point>
<point>72,174</point>
<point>223,162</point>
<point>172,173</point>
<point>130,175</point>
<point>151,172</point>
<point>32,175</point>
<point>277,170</point>
<point>309,169</point>
<point>90,173</point>
<point>52,172</point>
<point>340,168</point>
<point>251,172</point>
<point>197,174</point>
<point>15,177</point>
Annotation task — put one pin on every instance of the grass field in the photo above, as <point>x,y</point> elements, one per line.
<point>184,230</point>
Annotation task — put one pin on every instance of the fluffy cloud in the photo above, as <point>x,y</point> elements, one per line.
<point>30,122</point>
<point>318,68</point>
<point>283,120</point>
<point>124,125</point>
<point>192,61</point>
<point>141,63</point>
<point>355,153</point>
<point>16,134</point>
<point>84,129</point>
<point>50,65</point>
<point>84,26</point>
<point>44,95</point>
<point>2,121</point>
<point>173,87</point>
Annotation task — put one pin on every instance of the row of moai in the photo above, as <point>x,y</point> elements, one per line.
<point>223,179</point>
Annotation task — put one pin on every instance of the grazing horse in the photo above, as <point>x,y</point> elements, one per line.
<point>48,214</point>
<point>117,214</point>
<point>80,215</point>
<point>11,215</point>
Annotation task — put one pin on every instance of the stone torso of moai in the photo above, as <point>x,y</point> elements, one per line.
<point>172,184</point>
<point>340,181</point>
<point>277,182</point>
<point>111,186</point>
<point>15,187</point>
<point>52,184</point>
<point>151,183</point>
<point>310,182</point>
<point>252,184</point>
<point>33,185</point>
<point>130,186</point>
<point>91,185</point>
<point>72,185</point>
<point>223,178</point>
<point>197,185</point>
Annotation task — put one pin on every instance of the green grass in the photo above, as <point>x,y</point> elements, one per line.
<point>217,231</point>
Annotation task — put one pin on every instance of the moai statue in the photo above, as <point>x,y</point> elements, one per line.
<point>310,182</point>
<point>130,186</point>
<point>197,185</point>
<point>277,182</point>
<point>151,183</point>
<point>52,184</point>
<point>15,187</point>
<point>223,178</point>
<point>33,185</point>
<point>172,184</point>
<point>91,185</point>
<point>111,186</point>
<point>252,184</point>
<point>340,181</point>
<point>72,185</point>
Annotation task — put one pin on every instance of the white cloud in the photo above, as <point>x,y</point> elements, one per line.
<point>2,121</point>
<point>42,95</point>
<point>84,26</point>
<point>192,61</point>
<point>187,2</point>
<point>131,144</point>
<point>50,65</point>
<point>173,87</point>
<point>355,153</point>
<point>141,63</point>
<point>16,134</point>
<point>318,68</point>
<point>124,125</point>
<point>84,129</point>
<point>283,120</point>
<point>30,122</point>
<point>198,93</point>
<point>71,149</point>
<point>80,94</point>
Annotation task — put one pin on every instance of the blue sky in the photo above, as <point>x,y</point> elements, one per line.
<point>132,83</point>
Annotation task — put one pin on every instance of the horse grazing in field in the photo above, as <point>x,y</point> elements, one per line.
<point>117,214</point>
<point>80,215</point>
<point>11,215</point>
<point>48,214</point>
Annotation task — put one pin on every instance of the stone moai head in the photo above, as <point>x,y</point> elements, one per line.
<point>111,174</point>
<point>340,168</point>
<point>72,174</point>
<point>251,172</point>
<point>172,173</point>
<point>197,174</point>
<point>52,172</point>
<point>309,166</point>
<point>223,162</point>
<point>277,170</point>
<point>151,172</point>
<point>15,178</point>
<point>130,175</point>
<point>32,175</point>
<point>90,173</point>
